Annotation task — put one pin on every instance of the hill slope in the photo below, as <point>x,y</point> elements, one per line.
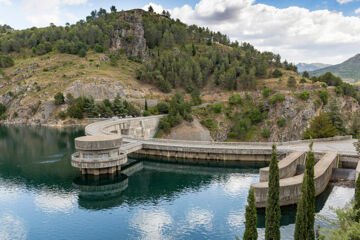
<point>302,67</point>
<point>348,70</point>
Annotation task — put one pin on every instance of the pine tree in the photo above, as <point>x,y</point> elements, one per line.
<point>305,215</point>
<point>273,212</point>
<point>251,218</point>
<point>335,117</point>
<point>320,127</point>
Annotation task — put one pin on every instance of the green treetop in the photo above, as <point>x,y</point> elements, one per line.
<point>251,218</point>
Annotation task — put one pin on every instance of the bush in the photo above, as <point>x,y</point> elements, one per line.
<point>276,73</point>
<point>59,98</point>
<point>99,48</point>
<point>113,60</point>
<point>163,107</point>
<point>255,116</point>
<point>265,132</point>
<point>235,99</point>
<point>277,98</point>
<point>146,113</point>
<point>303,80</point>
<point>164,124</point>
<point>267,92</point>
<point>217,108</point>
<point>209,123</point>
<point>281,122</point>
<point>324,96</point>
<point>291,83</point>
<point>2,109</point>
<point>6,61</point>
<point>324,85</point>
<point>15,115</point>
<point>62,115</point>
<point>304,95</point>
<point>320,127</point>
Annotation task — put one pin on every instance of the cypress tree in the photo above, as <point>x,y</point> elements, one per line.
<point>305,214</point>
<point>251,218</point>
<point>273,212</point>
<point>146,105</point>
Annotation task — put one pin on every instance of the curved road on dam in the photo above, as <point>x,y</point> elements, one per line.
<point>341,145</point>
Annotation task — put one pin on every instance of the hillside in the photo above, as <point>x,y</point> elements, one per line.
<point>302,67</point>
<point>133,62</point>
<point>348,70</point>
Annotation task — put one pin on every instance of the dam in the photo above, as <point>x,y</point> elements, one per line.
<point>137,140</point>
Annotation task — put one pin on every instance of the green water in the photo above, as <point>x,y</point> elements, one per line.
<point>43,197</point>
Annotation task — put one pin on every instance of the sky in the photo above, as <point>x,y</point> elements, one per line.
<point>325,31</point>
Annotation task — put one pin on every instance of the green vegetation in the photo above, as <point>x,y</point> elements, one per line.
<point>277,98</point>
<point>273,212</point>
<point>276,73</point>
<point>217,108</point>
<point>210,124</point>
<point>235,99</point>
<point>305,95</point>
<point>267,92</point>
<point>341,87</point>
<point>179,110</point>
<point>324,96</point>
<point>86,107</point>
<point>320,127</point>
<point>251,218</point>
<point>336,118</point>
<point>2,111</point>
<point>345,227</point>
<point>59,98</point>
<point>265,132</point>
<point>281,122</point>
<point>6,61</point>
<point>305,214</point>
<point>291,83</point>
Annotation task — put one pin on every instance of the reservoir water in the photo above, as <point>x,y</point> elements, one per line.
<point>43,197</point>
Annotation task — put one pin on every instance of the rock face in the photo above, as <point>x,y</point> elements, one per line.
<point>130,35</point>
<point>193,131</point>
<point>98,89</point>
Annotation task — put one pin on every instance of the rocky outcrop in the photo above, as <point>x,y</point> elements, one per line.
<point>129,37</point>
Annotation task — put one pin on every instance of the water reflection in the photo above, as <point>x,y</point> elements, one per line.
<point>100,192</point>
<point>43,197</point>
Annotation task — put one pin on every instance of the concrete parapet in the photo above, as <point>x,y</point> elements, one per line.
<point>287,166</point>
<point>96,143</point>
<point>290,188</point>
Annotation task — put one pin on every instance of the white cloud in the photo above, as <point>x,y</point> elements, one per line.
<point>298,34</point>
<point>157,8</point>
<point>74,2</point>
<point>357,11</point>
<point>43,12</point>
<point>344,1</point>
<point>6,2</point>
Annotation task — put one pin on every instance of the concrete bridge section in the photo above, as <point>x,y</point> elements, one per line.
<point>290,188</point>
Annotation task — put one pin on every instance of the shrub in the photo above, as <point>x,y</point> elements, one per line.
<point>217,107</point>
<point>324,85</point>
<point>291,83</point>
<point>277,98</point>
<point>324,96</point>
<point>281,122</point>
<point>113,60</point>
<point>2,109</point>
<point>62,115</point>
<point>15,115</point>
<point>129,38</point>
<point>320,127</point>
<point>267,92</point>
<point>209,123</point>
<point>255,116</point>
<point>99,48</point>
<point>303,80</point>
<point>6,61</point>
<point>164,124</point>
<point>163,107</point>
<point>235,99</point>
<point>276,73</point>
<point>59,98</point>
<point>265,132</point>
<point>146,113</point>
<point>304,95</point>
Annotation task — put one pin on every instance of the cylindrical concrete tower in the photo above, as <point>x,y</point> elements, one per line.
<point>98,154</point>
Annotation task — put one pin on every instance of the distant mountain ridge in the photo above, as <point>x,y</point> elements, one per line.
<point>349,70</point>
<point>302,67</point>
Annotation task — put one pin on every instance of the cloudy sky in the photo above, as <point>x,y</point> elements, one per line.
<point>326,31</point>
